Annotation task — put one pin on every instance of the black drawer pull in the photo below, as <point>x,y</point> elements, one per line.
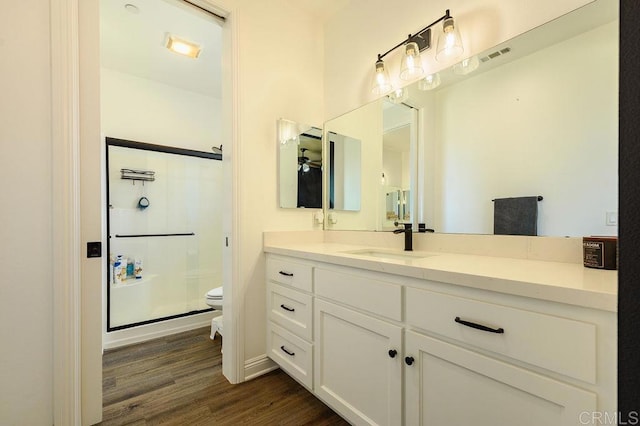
<point>480,326</point>
<point>409,360</point>
<point>286,351</point>
<point>286,308</point>
<point>286,274</point>
<point>393,353</point>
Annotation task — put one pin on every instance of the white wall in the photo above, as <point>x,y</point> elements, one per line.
<point>495,140</point>
<point>280,75</point>
<point>365,28</point>
<point>26,310</point>
<point>142,110</point>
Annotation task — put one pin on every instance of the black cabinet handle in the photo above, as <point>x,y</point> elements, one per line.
<point>286,274</point>
<point>409,360</point>
<point>393,353</point>
<point>286,308</point>
<point>286,351</point>
<point>479,326</point>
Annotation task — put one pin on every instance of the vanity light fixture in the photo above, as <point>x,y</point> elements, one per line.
<point>182,46</point>
<point>287,131</point>
<point>411,65</point>
<point>449,43</point>
<point>466,66</point>
<point>449,47</point>
<point>381,80</point>
<point>430,82</point>
<point>398,96</point>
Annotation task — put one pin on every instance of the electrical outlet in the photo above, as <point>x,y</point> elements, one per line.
<point>612,218</point>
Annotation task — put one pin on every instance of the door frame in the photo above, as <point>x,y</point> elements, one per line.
<point>77,353</point>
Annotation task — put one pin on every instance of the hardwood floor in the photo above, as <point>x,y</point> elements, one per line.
<point>177,380</point>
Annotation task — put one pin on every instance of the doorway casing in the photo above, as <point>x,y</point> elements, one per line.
<point>77,215</point>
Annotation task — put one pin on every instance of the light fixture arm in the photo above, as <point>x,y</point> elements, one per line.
<point>446,15</point>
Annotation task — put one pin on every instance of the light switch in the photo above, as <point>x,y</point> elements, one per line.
<point>94,249</point>
<point>612,218</point>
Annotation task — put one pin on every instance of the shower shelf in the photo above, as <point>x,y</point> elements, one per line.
<point>129,282</point>
<point>140,175</point>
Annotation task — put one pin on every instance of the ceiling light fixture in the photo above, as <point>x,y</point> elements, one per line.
<point>182,46</point>
<point>449,47</point>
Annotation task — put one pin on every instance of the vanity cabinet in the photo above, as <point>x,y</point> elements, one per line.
<point>357,365</point>
<point>357,346</point>
<point>394,350</point>
<point>289,325</point>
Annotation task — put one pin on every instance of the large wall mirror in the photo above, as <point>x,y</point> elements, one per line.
<point>300,165</point>
<point>534,116</point>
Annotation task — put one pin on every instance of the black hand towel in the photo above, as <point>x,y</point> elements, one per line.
<point>515,216</point>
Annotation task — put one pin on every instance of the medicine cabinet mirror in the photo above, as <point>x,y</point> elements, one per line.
<point>538,117</point>
<point>300,165</point>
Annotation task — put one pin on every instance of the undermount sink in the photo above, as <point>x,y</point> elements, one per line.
<point>388,254</point>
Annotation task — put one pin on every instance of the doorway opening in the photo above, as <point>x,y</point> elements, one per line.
<point>161,87</point>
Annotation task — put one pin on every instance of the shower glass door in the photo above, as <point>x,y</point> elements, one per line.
<point>165,231</point>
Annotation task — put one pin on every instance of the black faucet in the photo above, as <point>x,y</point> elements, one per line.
<point>408,236</point>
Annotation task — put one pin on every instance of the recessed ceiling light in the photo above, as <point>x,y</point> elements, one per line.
<point>182,46</point>
<point>132,8</point>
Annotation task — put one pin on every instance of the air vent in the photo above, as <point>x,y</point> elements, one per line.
<point>495,54</point>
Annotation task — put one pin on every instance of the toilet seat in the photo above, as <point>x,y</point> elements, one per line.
<point>215,293</point>
<point>213,298</point>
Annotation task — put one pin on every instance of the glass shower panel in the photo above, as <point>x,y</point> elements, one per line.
<point>165,220</point>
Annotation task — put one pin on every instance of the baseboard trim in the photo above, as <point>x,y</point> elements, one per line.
<point>134,335</point>
<point>258,366</point>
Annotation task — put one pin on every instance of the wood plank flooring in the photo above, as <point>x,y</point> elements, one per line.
<point>177,380</point>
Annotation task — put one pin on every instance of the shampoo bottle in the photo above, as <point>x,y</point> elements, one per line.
<point>117,272</point>
<point>130,268</point>
<point>138,269</point>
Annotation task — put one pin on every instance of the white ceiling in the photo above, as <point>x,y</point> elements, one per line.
<point>133,43</point>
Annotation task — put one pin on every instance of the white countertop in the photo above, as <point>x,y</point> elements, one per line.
<point>569,283</point>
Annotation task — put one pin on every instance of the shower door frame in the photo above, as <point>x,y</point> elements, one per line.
<point>124,143</point>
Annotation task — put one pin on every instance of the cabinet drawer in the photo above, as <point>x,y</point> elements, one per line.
<point>291,353</point>
<point>558,344</point>
<point>290,309</point>
<point>379,297</point>
<point>291,273</point>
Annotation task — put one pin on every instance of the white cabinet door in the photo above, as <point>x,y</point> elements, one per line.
<point>358,365</point>
<point>449,385</point>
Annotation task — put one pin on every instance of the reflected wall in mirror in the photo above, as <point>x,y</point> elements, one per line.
<point>361,199</point>
<point>300,165</point>
<point>344,172</point>
<point>537,117</point>
<point>399,144</point>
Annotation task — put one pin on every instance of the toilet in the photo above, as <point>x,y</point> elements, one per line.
<point>213,298</point>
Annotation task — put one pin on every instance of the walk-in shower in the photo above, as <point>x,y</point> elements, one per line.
<point>164,223</point>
